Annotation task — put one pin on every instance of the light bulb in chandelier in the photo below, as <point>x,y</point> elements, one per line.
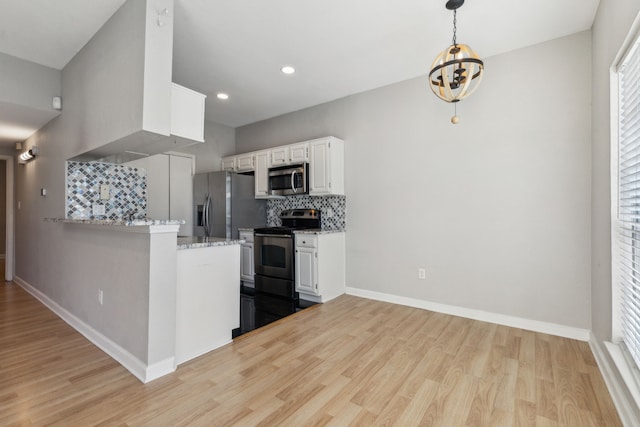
<point>457,71</point>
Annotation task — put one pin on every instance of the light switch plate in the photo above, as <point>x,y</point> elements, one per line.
<point>104,191</point>
<point>98,209</point>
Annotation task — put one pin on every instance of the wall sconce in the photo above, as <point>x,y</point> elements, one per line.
<point>30,154</point>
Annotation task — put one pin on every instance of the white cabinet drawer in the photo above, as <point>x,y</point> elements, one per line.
<point>246,236</point>
<point>306,241</point>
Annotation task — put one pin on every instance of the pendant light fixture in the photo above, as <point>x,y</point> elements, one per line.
<point>457,71</point>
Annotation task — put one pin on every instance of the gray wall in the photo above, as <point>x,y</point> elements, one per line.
<point>28,84</point>
<point>102,87</point>
<point>613,22</point>
<point>103,84</point>
<point>219,141</point>
<point>497,208</point>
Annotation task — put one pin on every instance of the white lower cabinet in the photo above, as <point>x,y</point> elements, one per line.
<point>320,266</point>
<point>307,270</point>
<point>246,256</point>
<point>207,299</point>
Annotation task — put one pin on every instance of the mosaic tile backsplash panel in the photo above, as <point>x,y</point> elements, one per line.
<point>127,190</point>
<point>336,204</point>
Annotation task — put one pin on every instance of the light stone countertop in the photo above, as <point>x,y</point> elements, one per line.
<point>194,242</point>
<point>318,231</point>
<point>118,222</point>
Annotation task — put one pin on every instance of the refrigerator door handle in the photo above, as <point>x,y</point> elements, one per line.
<point>206,215</point>
<point>209,222</point>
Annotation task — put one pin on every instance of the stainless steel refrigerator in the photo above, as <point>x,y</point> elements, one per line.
<point>224,202</point>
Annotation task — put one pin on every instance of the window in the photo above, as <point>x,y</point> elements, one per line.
<point>626,233</point>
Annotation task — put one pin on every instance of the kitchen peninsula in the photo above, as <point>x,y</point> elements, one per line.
<point>150,300</point>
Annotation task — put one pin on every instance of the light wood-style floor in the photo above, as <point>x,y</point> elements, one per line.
<point>351,361</point>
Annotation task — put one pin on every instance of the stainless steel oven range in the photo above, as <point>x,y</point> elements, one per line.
<point>274,255</point>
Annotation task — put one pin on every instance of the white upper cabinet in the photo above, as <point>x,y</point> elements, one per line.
<point>262,174</point>
<point>299,153</point>
<point>290,154</point>
<point>280,156</point>
<point>245,162</point>
<point>324,155</point>
<point>229,163</point>
<point>326,166</point>
<point>187,113</point>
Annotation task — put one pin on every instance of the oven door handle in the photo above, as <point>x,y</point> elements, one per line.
<point>272,235</point>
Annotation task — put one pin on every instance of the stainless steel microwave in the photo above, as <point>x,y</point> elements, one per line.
<point>289,180</point>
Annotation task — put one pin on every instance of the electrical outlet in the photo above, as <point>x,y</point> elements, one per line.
<point>100,296</point>
<point>104,191</point>
<point>422,274</point>
<point>329,213</point>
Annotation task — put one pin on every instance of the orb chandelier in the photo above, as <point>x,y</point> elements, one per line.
<point>457,71</point>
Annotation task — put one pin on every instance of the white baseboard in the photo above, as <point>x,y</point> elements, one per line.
<point>143,372</point>
<point>485,316</point>
<point>619,395</point>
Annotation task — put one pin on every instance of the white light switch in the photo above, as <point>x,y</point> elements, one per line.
<point>104,191</point>
<point>98,209</point>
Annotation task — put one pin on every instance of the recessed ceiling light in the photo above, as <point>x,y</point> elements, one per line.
<point>222,95</point>
<point>288,69</point>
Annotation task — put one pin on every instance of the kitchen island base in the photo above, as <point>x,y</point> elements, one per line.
<point>207,299</point>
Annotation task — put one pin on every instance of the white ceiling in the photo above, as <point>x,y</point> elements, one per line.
<point>339,47</point>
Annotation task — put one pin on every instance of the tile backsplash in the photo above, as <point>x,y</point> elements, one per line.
<point>127,190</point>
<point>334,204</point>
